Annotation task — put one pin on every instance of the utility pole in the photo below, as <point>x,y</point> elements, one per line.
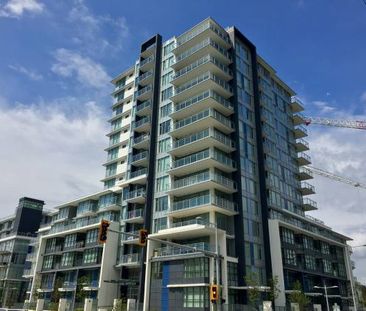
<point>325,287</point>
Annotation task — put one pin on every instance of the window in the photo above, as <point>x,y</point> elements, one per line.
<point>160,224</point>
<point>168,48</point>
<point>195,268</point>
<point>91,236</point>
<point>164,145</point>
<point>47,262</point>
<point>165,110</point>
<point>162,184</point>
<point>163,164</point>
<point>232,274</point>
<point>91,256</point>
<point>161,204</point>
<point>109,183</point>
<point>70,241</point>
<point>167,93</point>
<point>289,256</point>
<point>195,297</point>
<point>310,262</point>
<point>67,260</point>
<point>287,236</point>
<point>168,62</point>
<point>165,79</point>
<point>112,154</point>
<point>111,169</point>
<point>114,139</point>
<point>116,124</point>
<point>327,266</point>
<point>164,127</point>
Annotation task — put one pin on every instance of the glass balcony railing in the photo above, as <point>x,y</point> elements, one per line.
<point>204,60</point>
<point>302,142</point>
<point>130,258</point>
<point>140,139</point>
<point>132,235</point>
<point>147,60</point>
<point>134,214</point>
<point>139,156</point>
<point>307,186</point>
<point>82,222</point>
<point>141,122</point>
<point>138,173</point>
<point>302,129</point>
<point>204,200</point>
<point>310,202</point>
<point>203,177</point>
<point>204,114</point>
<point>200,46</point>
<point>134,194</point>
<point>305,156</point>
<point>306,171</point>
<point>145,75</point>
<point>143,90</point>
<point>143,105</point>
<point>197,99</point>
<point>111,202</point>
<point>204,134</point>
<point>204,77</point>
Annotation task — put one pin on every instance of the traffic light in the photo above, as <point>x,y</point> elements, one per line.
<point>103,230</point>
<point>214,293</point>
<point>142,237</point>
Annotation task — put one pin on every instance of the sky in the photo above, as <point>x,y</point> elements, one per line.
<point>57,59</point>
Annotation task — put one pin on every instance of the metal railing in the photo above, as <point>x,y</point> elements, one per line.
<point>143,105</point>
<point>146,60</point>
<point>137,173</point>
<point>178,251</point>
<point>140,139</point>
<point>130,258</point>
<point>139,156</point>
<point>141,122</point>
<point>202,177</point>
<point>134,194</point>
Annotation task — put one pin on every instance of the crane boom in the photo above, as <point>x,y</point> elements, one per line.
<point>360,125</point>
<point>327,174</point>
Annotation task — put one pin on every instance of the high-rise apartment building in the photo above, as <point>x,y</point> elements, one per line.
<point>206,152</point>
<point>17,232</point>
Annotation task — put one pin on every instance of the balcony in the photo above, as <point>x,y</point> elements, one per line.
<point>301,145</point>
<point>146,78</point>
<point>200,84</point>
<point>144,109</point>
<point>79,223</point>
<point>305,174</point>
<point>209,137</point>
<point>199,67</point>
<point>300,132</point>
<point>129,260</point>
<point>144,93</point>
<point>68,287</point>
<point>149,50</point>
<point>204,119</point>
<point>298,119</point>
<point>296,104</point>
<point>138,177</point>
<point>309,205</point>
<point>142,125</point>
<point>206,29</point>
<point>303,159</point>
<point>113,205</point>
<point>186,229</point>
<point>200,182</point>
<point>306,188</point>
<point>203,204</point>
<point>134,216</point>
<point>202,160</point>
<point>171,251</point>
<point>140,159</point>
<point>205,100</point>
<point>132,238</point>
<point>147,64</point>
<point>135,196</point>
<point>141,142</point>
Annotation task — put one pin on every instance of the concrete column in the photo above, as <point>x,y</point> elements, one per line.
<point>40,304</point>
<point>88,304</point>
<point>151,245</point>
<point>62,304</point>
<point>131,304</point>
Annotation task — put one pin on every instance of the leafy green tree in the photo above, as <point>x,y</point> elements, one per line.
<point>274,289</point>
<point>297,296</point>
<point>252,281</point>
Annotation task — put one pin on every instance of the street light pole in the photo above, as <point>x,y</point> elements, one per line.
<point>217,265</point>
<point>325,287</point>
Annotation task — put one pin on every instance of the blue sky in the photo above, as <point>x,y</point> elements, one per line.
<point>57,58</point>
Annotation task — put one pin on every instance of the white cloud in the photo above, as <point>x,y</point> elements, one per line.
<point>341,206</point>
<point>86,71</point>
<point>363,97</point>
<point>91,31</point>
<point>16,8</point>
<point>27,72</point>
<point>324,107</point>
<point>50,152</point>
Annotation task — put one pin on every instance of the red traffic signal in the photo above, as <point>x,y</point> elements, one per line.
<point>103,231</point>
<point>214,293</point>
<point>143,237</point>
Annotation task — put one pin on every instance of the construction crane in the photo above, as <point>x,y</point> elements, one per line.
<point>329,175</point>
<point>360,125</point>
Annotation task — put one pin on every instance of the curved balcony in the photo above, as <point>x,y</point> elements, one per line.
<point>197,103</point>
<point>209,137</point>
<point>200,66</point>
<point>200,182</point>
<point>202,160</point>
<point>204,47</point>
<point>204,119</point>
<point>200,84</point>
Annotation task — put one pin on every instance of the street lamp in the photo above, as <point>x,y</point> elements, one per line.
<point>325,287</point>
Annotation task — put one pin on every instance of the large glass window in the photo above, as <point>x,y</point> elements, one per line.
<point>164,127</point>
<point>165,110</point>
<point>164,145</point>
<point>165,79</point>
<point>91,256</point>
<point>195,268</point>
<point>160,224</point>
<point>161,204</point>
<point>70,241</point>
<point>162,184</point>
<point>167,93</point>
<point>196,297</point>
<point>67,260</point>
<point>91,236</point>
<point>163,164</point>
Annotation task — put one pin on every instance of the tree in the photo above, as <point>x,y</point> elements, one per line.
<point>252,282</point>
<point>297,296</point>
<point>274,289</point>
<point>80,294</point>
